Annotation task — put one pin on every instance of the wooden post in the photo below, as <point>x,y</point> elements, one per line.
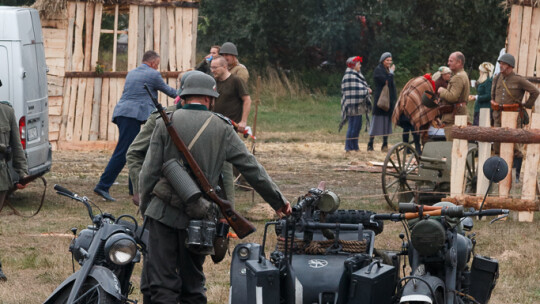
<point>524,41</point>
<point>140,36</point>
<point>514,30</point>
<point>459,158</point>
<point>508,120</point>
<point>157,29</point>
<point>530,172</point>
<point>187,20</point>
<point>70,32</point>
<point>79,110</point>
<point>164,63</point>
<point>104,110</point>
<point>172,35</point>
<point>534,48</point>
<point>148,28</point>
<point>89,27</point>
<point>78,55</point>
<point>177,42</point>
<point>484,152</point>
<point>115,37</point>
<point>195,13</point>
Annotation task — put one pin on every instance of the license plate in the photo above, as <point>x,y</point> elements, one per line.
<point>32,134</point>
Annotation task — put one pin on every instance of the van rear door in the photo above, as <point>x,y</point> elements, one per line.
<point>5,93</point>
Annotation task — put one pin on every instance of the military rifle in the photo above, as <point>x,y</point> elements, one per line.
<point>241,225</point>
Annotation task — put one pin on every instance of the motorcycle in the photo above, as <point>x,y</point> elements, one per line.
<point>323,255</point>
<point>107,252</point>
<point>439,252</point>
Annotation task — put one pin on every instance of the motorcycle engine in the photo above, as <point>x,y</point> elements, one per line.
<point>428,236</point>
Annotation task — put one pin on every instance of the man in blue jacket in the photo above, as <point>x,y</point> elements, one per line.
<point>130,112</point>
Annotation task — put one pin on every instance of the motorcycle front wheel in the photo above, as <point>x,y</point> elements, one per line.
<point>91,293</point>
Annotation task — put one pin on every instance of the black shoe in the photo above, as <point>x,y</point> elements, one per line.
<point>370,148</point>
<point>3,277</point>
<point>104,194</point>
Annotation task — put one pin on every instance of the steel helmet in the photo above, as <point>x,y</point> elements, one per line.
<point>508,59</point>
<point>228,48</point>
<point>199,84</point>
<point>183,79</point>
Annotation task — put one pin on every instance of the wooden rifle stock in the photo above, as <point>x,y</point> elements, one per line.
<point>238,223</point>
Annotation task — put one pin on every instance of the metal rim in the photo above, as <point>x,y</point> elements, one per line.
<point>398,165</point>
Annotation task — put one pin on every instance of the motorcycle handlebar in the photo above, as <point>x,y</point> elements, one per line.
<point>63,190</point>
<point>456,211</point>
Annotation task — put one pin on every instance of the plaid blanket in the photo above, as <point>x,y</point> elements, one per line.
<point>354,91</point>
<point>410,103</point>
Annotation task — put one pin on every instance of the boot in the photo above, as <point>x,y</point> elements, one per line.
<point>384,147</point>
<point>517,164</point>
<point>370,144</point>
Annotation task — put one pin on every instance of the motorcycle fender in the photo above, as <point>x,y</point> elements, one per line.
<point>105,278</point>
<point>418,291</point>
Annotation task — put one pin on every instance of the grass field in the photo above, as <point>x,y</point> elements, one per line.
<point>299,145</point>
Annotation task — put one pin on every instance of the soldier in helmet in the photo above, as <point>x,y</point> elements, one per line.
<point>175,268</point>
<point>10,151</point>
<point>506,95</point>
<point>229,52</point>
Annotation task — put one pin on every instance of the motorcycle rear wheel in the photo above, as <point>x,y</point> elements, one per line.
<point>91,293</point>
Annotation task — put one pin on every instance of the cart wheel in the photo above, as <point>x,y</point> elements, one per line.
<point>397,167</point>
<point>471,170</point>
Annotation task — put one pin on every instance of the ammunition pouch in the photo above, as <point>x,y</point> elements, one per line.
<point>201,235</point>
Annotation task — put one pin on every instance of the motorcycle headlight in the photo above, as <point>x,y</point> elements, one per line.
<point>428,237</point>
<point>121,249</point>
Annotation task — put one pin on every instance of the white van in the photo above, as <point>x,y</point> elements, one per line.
<point>23,73</point>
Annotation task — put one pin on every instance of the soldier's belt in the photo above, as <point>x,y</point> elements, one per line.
<point>452,108</point>
<point>512,107</point>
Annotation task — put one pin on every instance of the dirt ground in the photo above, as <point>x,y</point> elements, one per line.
<point>35,257</point>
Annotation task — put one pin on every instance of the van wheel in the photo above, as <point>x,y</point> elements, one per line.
<point>91,293</point>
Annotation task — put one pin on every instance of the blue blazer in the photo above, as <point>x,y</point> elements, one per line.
<point>135,102</point>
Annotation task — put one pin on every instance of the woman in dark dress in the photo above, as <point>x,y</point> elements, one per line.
<point>381,123</point>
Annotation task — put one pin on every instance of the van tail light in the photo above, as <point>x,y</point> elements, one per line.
<point>22,131</point>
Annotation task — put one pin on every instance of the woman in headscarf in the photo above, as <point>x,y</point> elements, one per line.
<point>483,89</point>
<point>354,94</point>
<point>442,77</point>
<point>381,123</point>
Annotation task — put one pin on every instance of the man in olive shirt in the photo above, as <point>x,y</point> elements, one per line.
<point>457,93</point>
<point>508,88</point>
<point>175,271</point>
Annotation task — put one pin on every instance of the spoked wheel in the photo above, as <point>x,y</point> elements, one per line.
<point>471,170</point>
<point>399,172</point>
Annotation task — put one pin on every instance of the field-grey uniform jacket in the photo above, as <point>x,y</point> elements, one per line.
<point>138,148</point>
<point>9,137</point>
<point>217,143</point>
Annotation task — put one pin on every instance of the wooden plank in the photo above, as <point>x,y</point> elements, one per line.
<point>95,40</point>
<point>459,158</point>
<point>51,53</point>
<point>140,36</point>
<point>165,3</point>
<point>115,37</point>
<point>164,47</point>
<point>78,55</point>
<point>195,13</point>
<point>55,24</point>
<point>104,110</point>
<point>178,46</point>
<point>112,103</point>
<point>56,71</point>
<point>79,111</point>
<point>172,35</point>
<point>484,152</point>
<point>121,74</point>
<point>120,82</point>
<point>187,24</point>
<point>132,37</point>
<point>157,29</point>
<point>55,111</point>
<point>53,33</point>
<point>522,58</point>
<point>69,39</point>
<point>172,83</point>
<point>96,103</point>
<point>56,101</point>
<point>88,29</point>
<point>54,123</point>
<point>57,62</point>
<point>71,111</point>
<point>148,28</point>
<point>508,120</point>
<point>514,30</point>
<point>533,51</point>
<point>65,108</point>
<point>87,114</point>
<point>530,171</point>
<point>54,90</point>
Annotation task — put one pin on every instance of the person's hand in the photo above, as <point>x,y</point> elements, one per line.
<point>369,90</point>
<point>242,126</point>
<point>20,186</point>
<point>284,210</point>
<point>440,90</point>
<point>208,56</point>
<point>392,68</point>
<point>472,97</point>
<point>136,200</point>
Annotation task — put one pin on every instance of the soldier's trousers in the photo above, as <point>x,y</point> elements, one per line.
<point>175,274</point>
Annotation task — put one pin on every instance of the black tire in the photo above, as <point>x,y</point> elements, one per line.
<point>96,294</point>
